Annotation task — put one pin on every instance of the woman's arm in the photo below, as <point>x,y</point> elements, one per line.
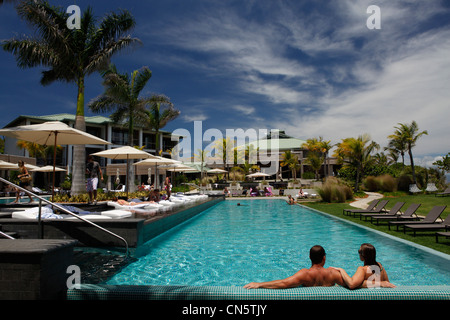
<point>353,282</point>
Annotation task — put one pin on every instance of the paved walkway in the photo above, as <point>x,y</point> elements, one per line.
<point>364,202</point>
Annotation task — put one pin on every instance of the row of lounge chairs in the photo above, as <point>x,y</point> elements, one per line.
<point>408,219</point>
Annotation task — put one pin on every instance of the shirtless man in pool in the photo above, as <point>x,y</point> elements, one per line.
<point>316,276</point>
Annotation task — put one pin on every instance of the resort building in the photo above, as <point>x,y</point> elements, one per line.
<point>271,150</point>
<point>98,126</point>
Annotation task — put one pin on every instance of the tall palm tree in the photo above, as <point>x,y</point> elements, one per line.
<point>159,111</point>
<point>122,97</point>
<point>356,153</point>
<point>326,146</point>
<point>317,153</point>
<point>290,160</point>
<point>408,134</point>
<point>70,55</point>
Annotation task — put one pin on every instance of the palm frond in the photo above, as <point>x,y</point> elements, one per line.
<point>142,76</point>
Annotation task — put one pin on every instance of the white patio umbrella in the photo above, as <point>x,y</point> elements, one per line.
<point>217,170</point>
<point>156,161</point>
<point>51,133</point>
<point>47,169</point>
<point>258,174</point>
<point>5,165</point>
<point>125,152</point>
<point>179,167</point>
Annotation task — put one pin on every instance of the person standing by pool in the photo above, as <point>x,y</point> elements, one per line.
<point>316,276</point>
<point>25,179</point>
<point>371,275</point>
<point>93,171</point>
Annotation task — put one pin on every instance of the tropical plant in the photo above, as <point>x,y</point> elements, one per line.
<point>356,153</point>
<point>290,160</point>
<point>443,164</point>
<point>408,134</point>
<point>159,111</point>
<point>334,190</point>
<point>317,153</point>
<point>70,55</point>
<point>37,150</point>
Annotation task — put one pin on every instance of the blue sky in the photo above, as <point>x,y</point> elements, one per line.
<point>311,68</point>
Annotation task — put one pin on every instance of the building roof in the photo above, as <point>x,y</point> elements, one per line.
<point>63,117</point>
<point>66,117</point>
<point>278,140</point>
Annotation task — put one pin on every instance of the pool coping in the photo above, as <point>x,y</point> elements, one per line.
<point>149,292</point>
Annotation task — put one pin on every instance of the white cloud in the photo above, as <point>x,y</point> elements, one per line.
<point>412,88</point>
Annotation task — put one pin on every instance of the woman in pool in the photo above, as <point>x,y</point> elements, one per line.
<point>371,275</point>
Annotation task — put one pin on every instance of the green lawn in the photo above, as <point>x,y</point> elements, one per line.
<point>423,238</point>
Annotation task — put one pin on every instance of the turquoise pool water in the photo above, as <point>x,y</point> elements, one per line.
<point>24,199</point>
<point>230,245</point>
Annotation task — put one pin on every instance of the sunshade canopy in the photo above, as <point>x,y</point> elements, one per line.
<point>51,133</point>
<point>125,152</point>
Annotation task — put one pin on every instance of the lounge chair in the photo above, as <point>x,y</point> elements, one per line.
<point>378,209</point>
<point>393,212</point>
<point>428,226</point>
<point>408,215</point>
<point>431,217</point>
<point>446,192</point>
<point>443,233</point>
<point>413,188</point>
<point>431,187</point>
<point>369,208</point>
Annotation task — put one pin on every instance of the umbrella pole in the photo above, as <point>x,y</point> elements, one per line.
<point>54,164</point>
<point>126,180</point>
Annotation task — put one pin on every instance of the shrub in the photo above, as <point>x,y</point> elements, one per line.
<point>404,181</point>
<point>371,184</point>
<point>388,183</point>
<point>385,183</point>
<point>334,190</point>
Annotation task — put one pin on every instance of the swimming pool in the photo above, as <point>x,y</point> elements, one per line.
<point>23,199</point>
<point>230,245</point>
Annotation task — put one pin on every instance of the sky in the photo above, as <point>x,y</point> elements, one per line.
<point>310,68</point>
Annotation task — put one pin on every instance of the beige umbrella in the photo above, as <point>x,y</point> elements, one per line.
<point>123,153</point>
<point>47,169</point>
<point>156,161</point>
<point>217,171</point>
<point>51,133</point>
<point>178,167</point>
<point>4,165</point>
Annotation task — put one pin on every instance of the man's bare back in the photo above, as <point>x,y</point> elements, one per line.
<point>313,277</point>
<point>319,277</point>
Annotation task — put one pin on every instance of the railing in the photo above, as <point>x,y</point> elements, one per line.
<point>41,199</point>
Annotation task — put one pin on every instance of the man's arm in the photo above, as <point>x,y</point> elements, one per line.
<point>291,282</point>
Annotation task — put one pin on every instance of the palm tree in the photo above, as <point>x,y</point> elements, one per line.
<point>356,153</point>
<point>157,117</point>
<point>70,55</point>
<point>317,148</point>
<point>291,161</point>
<point>37,150</point>
<point>121,96</point>
<point>397,145</point>
<point>408,134</point>
<point>326,146</point>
